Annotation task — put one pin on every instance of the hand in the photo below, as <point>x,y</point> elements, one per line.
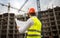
<point>18,27</point>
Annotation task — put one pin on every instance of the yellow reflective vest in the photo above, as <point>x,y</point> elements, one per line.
<point>35,29</point>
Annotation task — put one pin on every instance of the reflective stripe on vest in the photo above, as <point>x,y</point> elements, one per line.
<point>36,27</point>
<point>32,30</point>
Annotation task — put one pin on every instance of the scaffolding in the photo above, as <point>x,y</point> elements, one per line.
<point>8,28</point>
<point>51,22</point>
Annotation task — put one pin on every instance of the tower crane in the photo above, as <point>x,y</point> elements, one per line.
<point>39,9</point>
<point>37,1</point>
<point>23,5</point>
<point>10,7</point>
<point>38,5</point>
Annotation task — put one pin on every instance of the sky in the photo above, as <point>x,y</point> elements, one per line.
<point>31,3</point>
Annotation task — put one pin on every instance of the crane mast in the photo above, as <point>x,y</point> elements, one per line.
<point>38,8</point>
<point>38,5</point>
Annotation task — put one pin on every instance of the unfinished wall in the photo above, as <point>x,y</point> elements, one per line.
<point>51,22</point>
<point>8,26</point>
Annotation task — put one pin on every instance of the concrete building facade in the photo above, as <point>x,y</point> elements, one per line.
<point>8,28</point>
<point>51,22</point>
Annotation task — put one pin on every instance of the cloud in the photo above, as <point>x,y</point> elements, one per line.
<point>3,9</point>
<point>54,3</point>
<point>45,6</point>
<point>16,4</point>
<point>29,4</point>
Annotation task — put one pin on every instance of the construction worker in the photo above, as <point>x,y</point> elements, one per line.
<point>33,25</point>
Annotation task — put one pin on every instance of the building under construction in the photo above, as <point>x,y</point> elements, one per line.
<point>50,19</point>
<point>51,22</point>
<point>8,27</point>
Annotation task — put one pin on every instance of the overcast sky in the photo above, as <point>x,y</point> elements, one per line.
<point>31,3</point>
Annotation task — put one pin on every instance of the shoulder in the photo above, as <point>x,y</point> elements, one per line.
<point>30,20</point>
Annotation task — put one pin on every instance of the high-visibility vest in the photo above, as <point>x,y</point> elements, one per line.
<point>35,29</point>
